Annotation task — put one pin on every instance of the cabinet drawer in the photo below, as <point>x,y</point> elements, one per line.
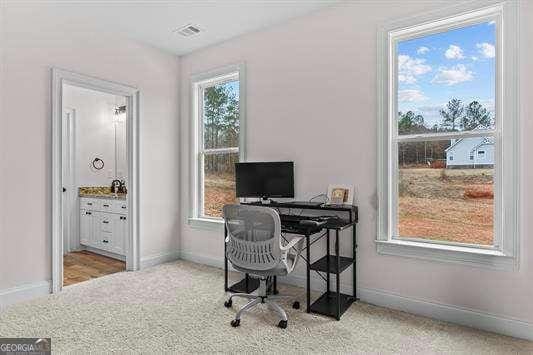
<point>120,206</point>
<point>88,203</point>
<point>106,205</point>
<point>110,232</point>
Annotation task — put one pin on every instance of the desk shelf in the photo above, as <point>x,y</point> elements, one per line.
<point>327,304</point>
<point>321,264</point>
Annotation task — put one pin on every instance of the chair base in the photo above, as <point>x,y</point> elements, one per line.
<point>261,297</point>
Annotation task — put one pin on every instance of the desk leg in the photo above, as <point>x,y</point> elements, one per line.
<point>354,253</point>
<point>338,311</point>
<point>275,288</point>
<point>308,290</point>
<point>327,263</point>
<point>225,260</point>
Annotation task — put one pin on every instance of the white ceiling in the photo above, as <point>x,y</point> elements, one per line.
<point>152,22</point>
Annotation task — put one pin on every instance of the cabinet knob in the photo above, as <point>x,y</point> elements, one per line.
<point>124,207</point>
<point>105,205</point>
<point>89,203</point>
<point>105,241</point>
<point>106,222</point>
<point>88,213</point>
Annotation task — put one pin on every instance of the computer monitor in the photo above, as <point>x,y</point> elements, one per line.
<point>265,179</point>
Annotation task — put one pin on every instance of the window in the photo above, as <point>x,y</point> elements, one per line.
<point>442,96</point>
<point>217,122</point>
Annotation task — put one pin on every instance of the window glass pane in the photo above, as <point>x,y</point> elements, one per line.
<point>221,115</point>
<point>444,199</point>
<point>219,182</point>
<point>446,81</point>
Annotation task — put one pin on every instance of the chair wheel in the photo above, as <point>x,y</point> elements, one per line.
<point>296,305</point>
<point>235,323</point>
<point>228,304</point>
<point>282,324</point>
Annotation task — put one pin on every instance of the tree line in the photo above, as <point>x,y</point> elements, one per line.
<point>455,116</point>
<point>221,127</point>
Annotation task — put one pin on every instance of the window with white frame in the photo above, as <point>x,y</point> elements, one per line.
<point>448,86</point>
<point>217,139</point>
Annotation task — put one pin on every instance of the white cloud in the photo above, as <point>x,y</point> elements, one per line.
<point>422,50</point>
<point>453,75</point>
<point>486,49</point>
<point>411,95</point>
<point>409,68</point>
<point>454,52</point>
<point>474,58</point>
<point>491,23</point>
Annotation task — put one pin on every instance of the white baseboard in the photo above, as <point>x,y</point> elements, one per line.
<point>161,258</point>
<point>104,253</point>
<point>23,293</point>
<point>201,259</point>
<point>448,313</point>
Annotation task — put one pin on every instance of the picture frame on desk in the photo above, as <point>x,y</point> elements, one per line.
<point>339,194</point>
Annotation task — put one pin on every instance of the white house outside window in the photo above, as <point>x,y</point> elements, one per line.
<point>442,98</point>
<point>217,140</point>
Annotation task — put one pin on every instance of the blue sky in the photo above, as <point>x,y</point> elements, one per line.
<point>453,64</point>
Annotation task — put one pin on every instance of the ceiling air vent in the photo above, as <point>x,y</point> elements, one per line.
<point>188,30</point>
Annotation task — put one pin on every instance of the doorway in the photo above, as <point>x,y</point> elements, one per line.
<point>94,178</point>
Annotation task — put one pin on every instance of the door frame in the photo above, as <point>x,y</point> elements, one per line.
<point>69,131</point>
<point>132,94</point>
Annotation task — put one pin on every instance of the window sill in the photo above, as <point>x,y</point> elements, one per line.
<point>486,258</point>
<point>210,224</point>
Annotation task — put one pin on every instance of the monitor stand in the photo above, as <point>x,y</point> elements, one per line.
<point>265,200</point>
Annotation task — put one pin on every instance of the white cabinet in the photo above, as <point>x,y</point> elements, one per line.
<point>86,227</point>
<point>102,227</point>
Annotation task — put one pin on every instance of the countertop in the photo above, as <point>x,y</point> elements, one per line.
<point>110,196</point>
<point>100,192</point>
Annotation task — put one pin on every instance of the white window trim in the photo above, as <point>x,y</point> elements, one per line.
<point>196,220</point>
<point>505,254</point>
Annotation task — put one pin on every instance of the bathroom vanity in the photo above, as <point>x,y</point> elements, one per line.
<point>103,223</point>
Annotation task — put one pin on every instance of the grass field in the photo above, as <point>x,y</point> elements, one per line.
<point>446,204</point>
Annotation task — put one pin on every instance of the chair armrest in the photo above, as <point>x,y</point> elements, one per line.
<point>295,244</point>
<point>291,244</point>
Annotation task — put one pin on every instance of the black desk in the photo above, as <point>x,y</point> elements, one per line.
<point>330,303</point>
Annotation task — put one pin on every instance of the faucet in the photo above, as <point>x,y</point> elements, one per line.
<point>115,186</point>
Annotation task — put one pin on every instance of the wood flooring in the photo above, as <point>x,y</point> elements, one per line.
<point>79,266</point>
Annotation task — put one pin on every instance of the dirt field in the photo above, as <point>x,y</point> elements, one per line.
<point>447,204</point>
<point>219,190</point>
<point>439,204</point>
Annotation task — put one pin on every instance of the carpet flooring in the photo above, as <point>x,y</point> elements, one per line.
<point>178,307</point>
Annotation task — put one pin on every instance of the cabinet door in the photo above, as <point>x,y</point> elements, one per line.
<point>86,227</point>
<point>119,235</point>
<point>123,233</point>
